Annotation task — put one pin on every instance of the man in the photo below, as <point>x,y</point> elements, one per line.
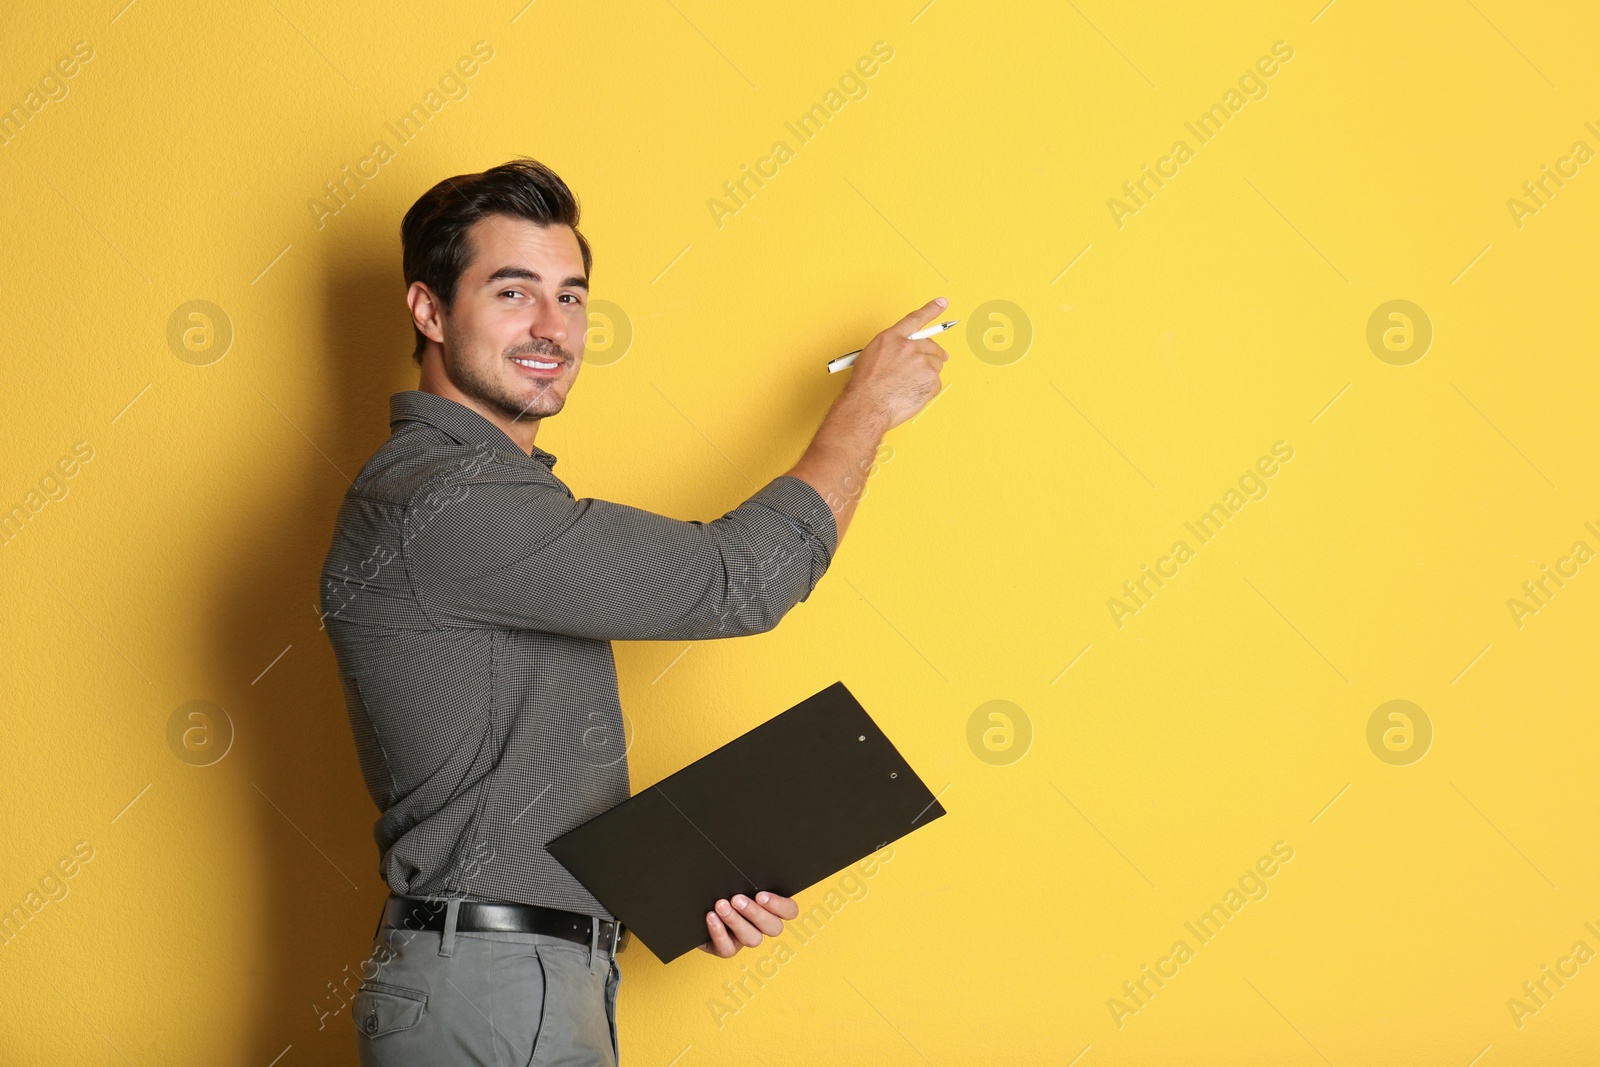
<point>471,600</point>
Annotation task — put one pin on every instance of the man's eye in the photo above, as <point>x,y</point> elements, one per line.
<point>510,292</point>
<point>574,297</point>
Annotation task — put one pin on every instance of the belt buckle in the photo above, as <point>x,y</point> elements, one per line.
<point>599,941</point>
<point>609,937</point>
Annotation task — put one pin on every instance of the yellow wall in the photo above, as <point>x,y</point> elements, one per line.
<point>1170,349</point>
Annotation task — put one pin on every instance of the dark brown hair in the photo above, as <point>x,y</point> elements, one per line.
<point>433,235</point>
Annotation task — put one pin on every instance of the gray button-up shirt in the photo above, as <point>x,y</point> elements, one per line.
<point>471,600</point>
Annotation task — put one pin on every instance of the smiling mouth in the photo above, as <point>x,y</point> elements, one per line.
<point>539,364</point>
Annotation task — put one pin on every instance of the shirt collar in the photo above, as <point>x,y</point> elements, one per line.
<point>459,421</point>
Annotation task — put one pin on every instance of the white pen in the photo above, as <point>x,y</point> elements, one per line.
<point>846,360</point>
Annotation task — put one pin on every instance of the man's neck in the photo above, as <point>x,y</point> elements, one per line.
<point>521,431</point>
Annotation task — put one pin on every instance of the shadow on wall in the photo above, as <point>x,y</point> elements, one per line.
<point>312,833</point>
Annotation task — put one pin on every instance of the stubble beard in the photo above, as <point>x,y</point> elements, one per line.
<point>472,377</point>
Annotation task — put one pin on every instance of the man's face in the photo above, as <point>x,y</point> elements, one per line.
<point>521,305</point>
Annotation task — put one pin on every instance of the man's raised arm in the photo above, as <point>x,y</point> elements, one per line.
<point>527,556</point>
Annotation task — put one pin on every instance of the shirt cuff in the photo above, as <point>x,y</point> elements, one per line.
<point>800,503</point>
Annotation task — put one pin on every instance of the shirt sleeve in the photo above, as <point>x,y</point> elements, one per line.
<point>528,556</point>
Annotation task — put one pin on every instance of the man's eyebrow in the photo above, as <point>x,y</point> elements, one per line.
<point>505,273</point>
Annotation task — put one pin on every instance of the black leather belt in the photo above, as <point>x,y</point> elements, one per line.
<point>477,916</point>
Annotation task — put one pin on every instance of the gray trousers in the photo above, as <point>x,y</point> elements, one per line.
<point>439,999</point>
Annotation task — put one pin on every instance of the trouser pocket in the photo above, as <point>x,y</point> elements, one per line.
<point>579,1023</point>
<point>482,1004</point>
<point>380,1008</point>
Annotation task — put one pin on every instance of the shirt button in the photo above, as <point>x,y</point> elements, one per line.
<point>372,1022</point>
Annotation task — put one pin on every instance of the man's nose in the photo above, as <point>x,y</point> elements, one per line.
<point>548,323</point>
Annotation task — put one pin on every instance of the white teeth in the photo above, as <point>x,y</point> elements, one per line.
<point>540,364</point>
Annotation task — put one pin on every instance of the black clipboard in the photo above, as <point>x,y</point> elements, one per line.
<point>797,799</point>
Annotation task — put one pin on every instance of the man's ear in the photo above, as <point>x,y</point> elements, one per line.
<point>427,314</point>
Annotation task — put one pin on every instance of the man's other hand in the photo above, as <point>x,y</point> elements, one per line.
<point>740,924</point>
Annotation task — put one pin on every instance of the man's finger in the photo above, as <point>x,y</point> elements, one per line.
<point>759,917</point>
<point>743,932</point>
<point>919,318</point>
<point>783,907</point>
<point>721,944</point>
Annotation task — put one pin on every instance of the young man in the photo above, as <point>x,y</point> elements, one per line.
<point>471,600</point>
